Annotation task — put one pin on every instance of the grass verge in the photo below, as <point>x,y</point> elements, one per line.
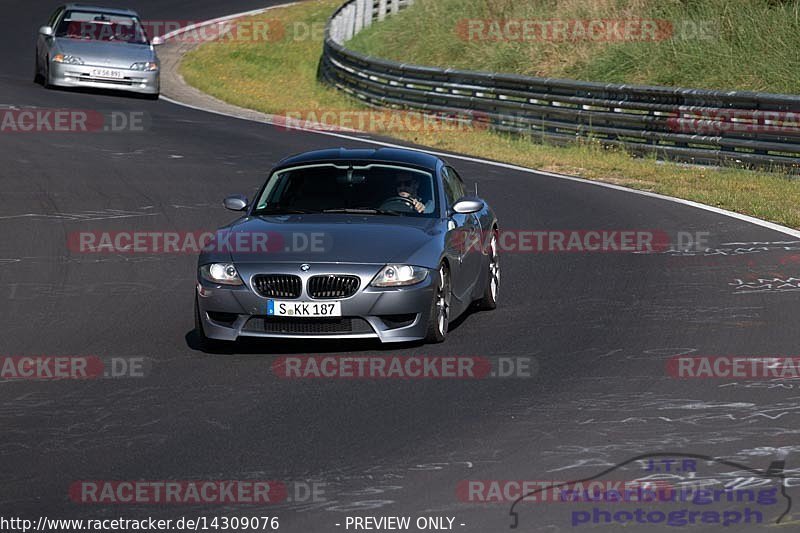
<point>712,44</point>
<point>280,77</point>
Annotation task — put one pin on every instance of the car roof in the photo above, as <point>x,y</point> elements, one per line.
<point>381,155</point>
<point>100,9</point>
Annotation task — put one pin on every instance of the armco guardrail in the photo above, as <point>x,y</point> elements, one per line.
<point>700,126</point>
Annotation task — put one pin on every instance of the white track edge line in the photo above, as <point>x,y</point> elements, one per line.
<point>271,122</point>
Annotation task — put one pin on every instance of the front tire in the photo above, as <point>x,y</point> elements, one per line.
<point>489,299</point>
<point>37,75</point>
<point>439,316</point>
<point>46,77</point>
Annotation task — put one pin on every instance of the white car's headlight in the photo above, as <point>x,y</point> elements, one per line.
<point>148,67</point>
<point>399,276</point>
<point>69,60</point>
<point>222,273</point>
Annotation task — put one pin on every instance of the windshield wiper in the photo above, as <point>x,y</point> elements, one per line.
<point>363,211</point>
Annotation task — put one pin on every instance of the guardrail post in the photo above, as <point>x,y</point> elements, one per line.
<point>381,10</point>
<point>360,6</point>
<point>369,7</point>
<point>350,22</point>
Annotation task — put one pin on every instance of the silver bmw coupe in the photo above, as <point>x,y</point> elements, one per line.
<point>97,47</point>
<point>349,244</point>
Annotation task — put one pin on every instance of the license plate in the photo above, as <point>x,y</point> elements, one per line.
<point>106,73</point>
<point>304,309</point>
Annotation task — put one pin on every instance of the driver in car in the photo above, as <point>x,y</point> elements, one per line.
<point>408,187</point>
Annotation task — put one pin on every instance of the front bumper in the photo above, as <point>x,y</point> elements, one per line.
<point>390,315</point>
<point>66,75</point>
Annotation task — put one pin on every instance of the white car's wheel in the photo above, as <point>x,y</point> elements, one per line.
<point>37,74</point>
<point>46,76</point>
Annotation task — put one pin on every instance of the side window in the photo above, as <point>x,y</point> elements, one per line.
<point>455,184</point>
<point>459,183</point>
<point>449,192</point>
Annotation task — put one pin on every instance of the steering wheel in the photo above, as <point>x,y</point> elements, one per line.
<point>398,201</point>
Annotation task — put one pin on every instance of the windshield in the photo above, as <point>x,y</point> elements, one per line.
<point>89,26</point>
<point>372,189</point>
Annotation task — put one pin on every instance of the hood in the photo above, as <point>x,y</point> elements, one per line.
<point>106,54</point>
<point>333,238</point>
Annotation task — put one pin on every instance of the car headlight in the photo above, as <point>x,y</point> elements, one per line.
<point>69,60</point>
<point>399,276</point>
<point>222,273</point>
<point>148,67</point>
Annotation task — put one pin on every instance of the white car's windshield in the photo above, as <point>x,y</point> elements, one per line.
<point>372,189</point>
<point>89,26</point>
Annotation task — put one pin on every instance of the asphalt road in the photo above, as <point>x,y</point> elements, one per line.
<point>601,327</point>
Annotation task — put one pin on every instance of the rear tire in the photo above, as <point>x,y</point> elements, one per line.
<point>439,316</point>
<point>489,299</point>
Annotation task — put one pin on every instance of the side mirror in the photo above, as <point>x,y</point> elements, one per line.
<point>466,206</point>
<point>157,41</point>
<point>47,31</point>
<point>235,203</point>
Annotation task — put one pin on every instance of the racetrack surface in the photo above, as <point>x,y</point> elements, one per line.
<point>601,327</point>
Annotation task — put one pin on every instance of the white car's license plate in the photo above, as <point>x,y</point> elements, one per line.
<point>106,73</point>
<point>304,309</point>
